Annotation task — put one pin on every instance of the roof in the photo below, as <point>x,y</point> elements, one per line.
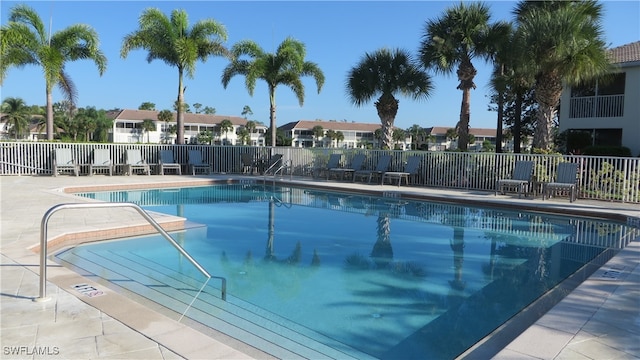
<point>331,125</point>
<point>625,53</point>
<point>189,118</point>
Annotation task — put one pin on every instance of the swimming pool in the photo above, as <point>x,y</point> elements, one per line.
<point>353,274</point>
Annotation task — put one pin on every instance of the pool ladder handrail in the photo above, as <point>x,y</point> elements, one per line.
<point>145,215</point>
<point>285,165</point>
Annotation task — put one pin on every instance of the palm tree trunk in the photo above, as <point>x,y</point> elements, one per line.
<point>462,128</point>
<point>49,114</point>
<point>272,114</point>
<point>517,124</point>
<point>466,73</point>
<point>179,110</point>
<point>387,107</point>
<point>548,92</point>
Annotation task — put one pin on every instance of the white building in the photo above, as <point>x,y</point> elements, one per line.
<point>127,128</point>
<point>356,135</point>
<point>608,110</point>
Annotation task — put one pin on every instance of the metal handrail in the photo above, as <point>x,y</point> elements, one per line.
<point>51,211</point>
<point>285,165</point>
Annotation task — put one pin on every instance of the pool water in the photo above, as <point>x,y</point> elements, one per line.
<point>385,277</point>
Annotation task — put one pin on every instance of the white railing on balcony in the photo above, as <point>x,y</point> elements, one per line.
<point>597,106</point>
<point>600,177</point>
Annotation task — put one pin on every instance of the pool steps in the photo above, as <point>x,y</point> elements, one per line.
<point>240,320</point>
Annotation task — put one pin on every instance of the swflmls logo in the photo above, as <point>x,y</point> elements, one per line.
<point>31,350</point>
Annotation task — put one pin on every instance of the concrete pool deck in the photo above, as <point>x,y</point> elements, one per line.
<point>599,319</point>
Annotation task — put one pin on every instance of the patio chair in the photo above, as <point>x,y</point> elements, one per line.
<point>334,162</point>
<point>196,164</point>
<point>410,169</point>
<point>381,167</point>
<point>64,161</point>
<point>566,179</point>
<point>357,163</point>
<point>135,161</point>
<point>520,180</point>
<point>168,162</point>
<point>101,161</point>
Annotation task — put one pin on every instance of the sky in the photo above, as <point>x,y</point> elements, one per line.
<point>337,34</point>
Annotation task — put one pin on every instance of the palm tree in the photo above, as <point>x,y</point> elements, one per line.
<point>453,41</point>
<point>565,45</point>
<point>339,136</point>
<point>416,131</point>
<point>285,67</point>
<point>25,41</point>
<point>246,110</point>
<point>166,116</point>
<point>331,134</point>
<point>318,132</point>
<point>244,136</point>
<point>172,41</point>
<point>15,114</point>
<point>451,134</point>
<point>386,73</point>
<point>225,126</point>
<point>148,125</point>
<point>399,136</point>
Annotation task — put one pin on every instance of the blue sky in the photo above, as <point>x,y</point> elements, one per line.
<point>336,33</point>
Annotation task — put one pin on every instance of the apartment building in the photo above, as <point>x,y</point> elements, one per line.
<point>353,134</point>
<point>127,128</point>
<point>607,109</point>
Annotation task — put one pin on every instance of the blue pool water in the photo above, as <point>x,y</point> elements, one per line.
<point>386,277</point>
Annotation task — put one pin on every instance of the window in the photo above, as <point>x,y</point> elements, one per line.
<point>612,85</point>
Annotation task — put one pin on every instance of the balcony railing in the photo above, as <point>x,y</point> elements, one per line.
<point>597,106</point>
<point>600,178</point>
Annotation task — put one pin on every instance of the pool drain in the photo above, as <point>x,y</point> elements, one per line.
<point>376,316</point>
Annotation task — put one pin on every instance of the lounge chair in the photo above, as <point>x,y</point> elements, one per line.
<point>410,169</point>
<point>334,162</point>
<point>65,161</point>
<point>566,179</point>
<point>249,165</point>
<point>357,163</point>
<point>101,161</point>
<point>381,167</point>
<point>136,162</point>
<point>196,163</point>
<point>167,162</point>
<point>520,180</point>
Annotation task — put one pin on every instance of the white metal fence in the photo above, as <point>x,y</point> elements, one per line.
<point>601,178</point>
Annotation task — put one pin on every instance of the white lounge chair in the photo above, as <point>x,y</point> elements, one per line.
<point>136,162</point>
<point>410,169</point>
<point>64,161</point>
<point>566,179</point>
<point>520,180</point>
<point>196,163</point>
<point>167,162</point>
<point>101,161</point>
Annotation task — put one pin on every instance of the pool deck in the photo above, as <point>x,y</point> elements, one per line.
<point>600,319</point>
